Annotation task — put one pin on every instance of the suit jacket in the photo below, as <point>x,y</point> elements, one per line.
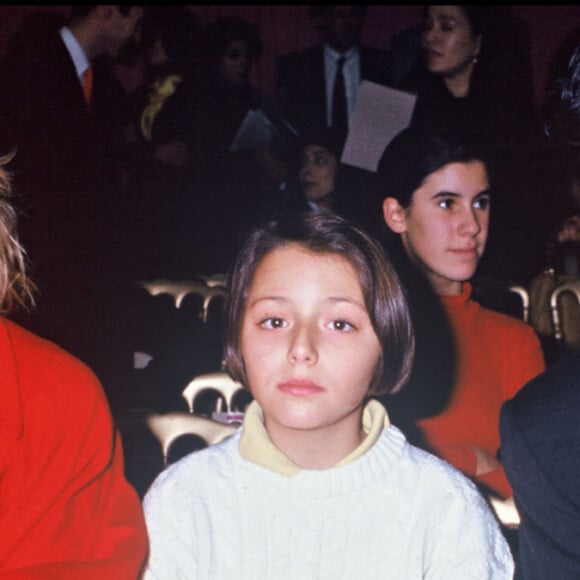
<point>68,188</point>
<point>68,159</point>
<point>539,446</point>
<point>301,85</point>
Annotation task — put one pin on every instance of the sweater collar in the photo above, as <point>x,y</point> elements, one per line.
<point>451,300</point>
<point>256,446</point>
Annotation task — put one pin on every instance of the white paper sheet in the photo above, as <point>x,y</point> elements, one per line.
<point>380,113</point>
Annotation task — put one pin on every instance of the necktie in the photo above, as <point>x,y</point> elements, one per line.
<point>339,113</point>
<point>88,84</point>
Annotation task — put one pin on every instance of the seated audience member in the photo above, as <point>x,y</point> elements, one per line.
<point>318,483</point>
<point>320,182</point>
<point>66,510</point>
<point>476,82</point>
<point>437,195</point>
<point>309,87</point>
<point>539,438</point>
<point>539,426</point>
<point>161,191</point>
<point>234,182</point>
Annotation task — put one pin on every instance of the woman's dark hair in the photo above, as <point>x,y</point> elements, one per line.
<point>220,33</point>
<point>414,155</point>
<point>177,27</point>
<point>321,136</point>
<point>327,233</point>
<point>479,17</point>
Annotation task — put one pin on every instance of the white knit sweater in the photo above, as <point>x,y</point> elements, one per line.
<point>396,513</point>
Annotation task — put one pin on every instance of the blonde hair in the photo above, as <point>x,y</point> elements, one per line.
<point>16,288</point>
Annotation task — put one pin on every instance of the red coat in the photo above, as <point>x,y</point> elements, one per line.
<point>66,509</point>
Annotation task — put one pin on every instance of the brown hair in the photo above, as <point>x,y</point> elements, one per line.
<point>383,293</point>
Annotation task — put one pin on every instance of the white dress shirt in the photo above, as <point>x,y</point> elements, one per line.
<point>352,78</point>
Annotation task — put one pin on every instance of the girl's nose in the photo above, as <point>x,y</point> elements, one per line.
<point>303,348</point>
<point>470,223</point>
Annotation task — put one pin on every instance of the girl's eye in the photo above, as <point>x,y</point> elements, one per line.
<point>481,203</point>
<point>273,323</point>
<point>321,160</point>
<point>341,325</point>
<point>446,203</point>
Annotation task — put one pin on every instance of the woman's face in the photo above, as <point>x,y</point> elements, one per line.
<point>318,167</point>
<point>444,229</point>
<point>448,41</point>
<point>234,64</point>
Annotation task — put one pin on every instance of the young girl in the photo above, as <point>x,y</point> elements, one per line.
<point>318,483</point>
<point>436,193</point>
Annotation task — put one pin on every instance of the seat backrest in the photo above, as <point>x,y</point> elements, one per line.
<point>565,312</point>
<point>168,427</point>
<point>179,290</point>
<point>525,297</point>
<point>219,382</point>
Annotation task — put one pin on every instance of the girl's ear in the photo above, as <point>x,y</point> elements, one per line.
<point>394,215</point>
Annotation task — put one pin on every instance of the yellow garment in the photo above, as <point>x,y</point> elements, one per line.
<point>160,91</point>
<point>256,446</point>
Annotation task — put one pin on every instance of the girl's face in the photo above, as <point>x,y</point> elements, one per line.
<point>234,64</point>
<point>317,173</point>
<point>308,344</point>
<point>444,229</point>
<point>448,41</point>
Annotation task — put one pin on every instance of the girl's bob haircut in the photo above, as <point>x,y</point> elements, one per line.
<point>326,233</point>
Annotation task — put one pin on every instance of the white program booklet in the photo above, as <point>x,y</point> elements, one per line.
<point>380,113</point>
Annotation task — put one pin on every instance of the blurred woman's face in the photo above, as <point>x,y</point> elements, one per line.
<point>234,65</point>
<point>448,41</point>
<point>318,167</point>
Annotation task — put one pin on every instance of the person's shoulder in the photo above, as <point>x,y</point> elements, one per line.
<point>41,362</point>
<point>504,322</point>
<point>556,390</point>
<point>31,345</point>
<point>427,471</point>
<point>440,475</point>
<point>191,475</point>
<point>447,494</point>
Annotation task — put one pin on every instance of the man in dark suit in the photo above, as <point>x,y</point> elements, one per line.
<point>306,79</point>
<point>540,440</point>
<point>540,437</point>
<point>67,169</point>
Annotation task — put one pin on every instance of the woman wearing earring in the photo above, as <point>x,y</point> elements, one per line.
<point>476,83</point>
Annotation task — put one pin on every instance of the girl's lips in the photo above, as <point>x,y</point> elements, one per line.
<point>464,251</point>
<point>299,387</point>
